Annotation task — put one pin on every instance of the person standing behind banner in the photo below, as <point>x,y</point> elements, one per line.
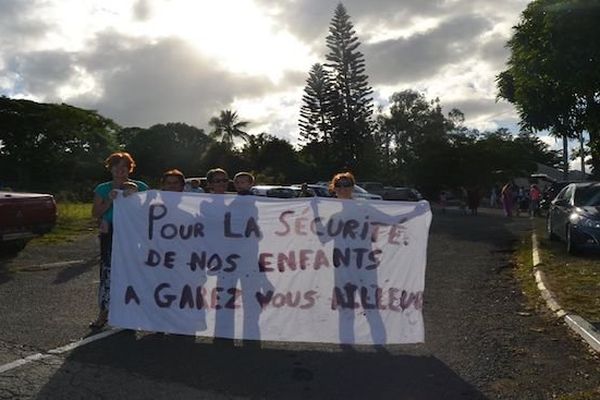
<point>120,165</point>
<point>342,185</point>
<point>217,180</point>
<point>243,182</point>
<point>195,186</point>
<point>172,180</point>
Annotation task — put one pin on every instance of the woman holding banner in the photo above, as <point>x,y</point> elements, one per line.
<point>342,185</point>
<point>120,165</point>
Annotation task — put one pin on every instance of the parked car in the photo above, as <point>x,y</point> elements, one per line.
<point>24,216</point>
<point>280,191</point>
<point>357,192</point>
<point>574,216</point>
<point>317,190</point>
<point>374,188</point>
<point>405,194</point>
<point>551,189</point>
<point>391,192</point>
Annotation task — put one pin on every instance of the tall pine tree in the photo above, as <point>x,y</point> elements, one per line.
<point>351,107</point>
<point>315,124</point>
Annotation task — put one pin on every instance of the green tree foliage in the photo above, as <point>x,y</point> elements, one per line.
<point>553,76</point>
<point>221,155</point>
<point>45,146</point>
<point>273,157</point>
<point>414,131</point>
<point>351,104</point>
<point>227,128</point>
<point>315,124</point>
<point>166,146</point>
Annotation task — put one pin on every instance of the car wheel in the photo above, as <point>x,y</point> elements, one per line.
<point>551,235</point>
<point>571,245</point>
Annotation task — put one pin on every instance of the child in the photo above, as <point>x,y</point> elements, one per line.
<point>243,182</point>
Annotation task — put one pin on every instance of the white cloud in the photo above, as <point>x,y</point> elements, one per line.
<point>153,61</point>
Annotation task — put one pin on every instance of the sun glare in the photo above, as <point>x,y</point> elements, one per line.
<point>237,34</point>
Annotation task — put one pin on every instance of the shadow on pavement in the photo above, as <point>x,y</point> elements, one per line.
<point>292,371</point>
<point>72,272</point>
<point>486,227</point>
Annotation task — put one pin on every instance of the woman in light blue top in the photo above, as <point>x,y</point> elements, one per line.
<point>120,165</point>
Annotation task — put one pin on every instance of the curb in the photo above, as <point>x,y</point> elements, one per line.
<point>579,325</point>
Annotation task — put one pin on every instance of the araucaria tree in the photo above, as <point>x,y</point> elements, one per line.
<point>315,124</point>
<point>351,104</point>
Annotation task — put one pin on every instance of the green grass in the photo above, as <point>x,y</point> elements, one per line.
<point>592,394</point>
<point>74,220</point>
<point>573,280</point>
<point>523,272</point>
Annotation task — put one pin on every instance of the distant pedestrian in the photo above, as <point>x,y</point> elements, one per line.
<point>535,196</point>
<point>522,200</point>
<point>507,198</point>
<point>462,206</point>
<point>494,197</point>
<point>443,201</point>
<point>473,200</point>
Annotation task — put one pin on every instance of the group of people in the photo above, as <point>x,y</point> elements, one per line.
<point>121,165</point>
<point>517,199</point>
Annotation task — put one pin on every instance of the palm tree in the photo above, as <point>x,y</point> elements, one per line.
<point>227,128</point>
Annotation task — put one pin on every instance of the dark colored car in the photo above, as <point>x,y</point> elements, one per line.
<point>318,190</point>
<point>406,194</point>
<point>551,190</point>
<point>279,191</point>
<point>391,192</point>
<point>574,216</point>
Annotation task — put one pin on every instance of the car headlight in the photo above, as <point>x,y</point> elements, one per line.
<point>580,220</point>
<point>590,223</point>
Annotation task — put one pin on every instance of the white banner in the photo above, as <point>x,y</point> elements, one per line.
<point>301,270</point>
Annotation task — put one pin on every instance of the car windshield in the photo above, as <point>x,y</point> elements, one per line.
<point>587,196</point>
<point>358,189</point>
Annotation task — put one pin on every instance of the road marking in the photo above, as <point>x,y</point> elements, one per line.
<point>59,350</point>
<point>579,325</point>
<point>39,267</point>
<point>535,252</point>
<point>83,342</point>
<point>585,329</point>
<point>22,361</point>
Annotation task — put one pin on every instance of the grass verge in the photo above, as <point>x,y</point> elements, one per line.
<point>524,274</point>
<point>74,219</point>
<point>573,280</point>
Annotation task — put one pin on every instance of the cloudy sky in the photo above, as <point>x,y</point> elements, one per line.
<point>155,61</point>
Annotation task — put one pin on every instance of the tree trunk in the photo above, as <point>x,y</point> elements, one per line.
<point>565,157</point>
<point>582,150</point>
<point>594,145</point>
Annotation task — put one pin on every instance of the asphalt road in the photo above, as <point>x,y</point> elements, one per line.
<point>481,339</point>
